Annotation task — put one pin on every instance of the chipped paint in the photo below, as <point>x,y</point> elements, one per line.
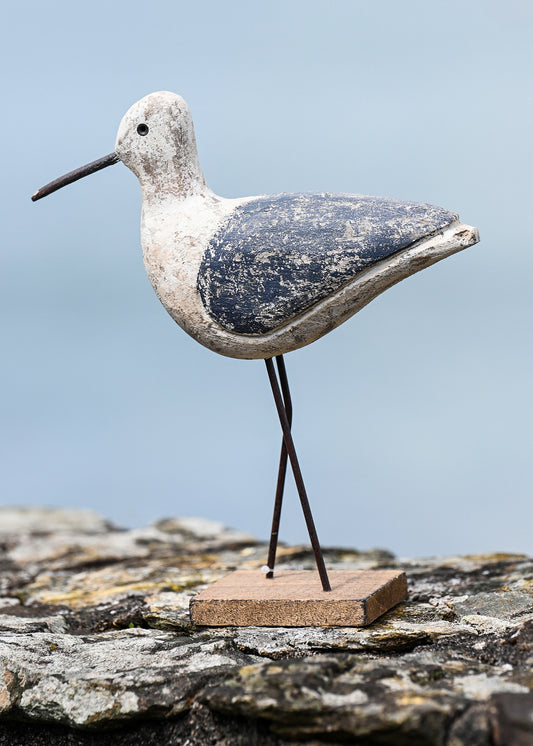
<point>182,220</point>
<point>275,257</point>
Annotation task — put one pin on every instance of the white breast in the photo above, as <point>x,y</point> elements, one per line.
<point>174,235</point>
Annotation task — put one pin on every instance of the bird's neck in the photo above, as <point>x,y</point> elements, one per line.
<point>180,178</point>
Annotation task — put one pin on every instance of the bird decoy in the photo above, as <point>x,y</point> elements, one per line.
<point>256,277</point>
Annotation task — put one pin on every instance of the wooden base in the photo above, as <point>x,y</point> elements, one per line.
<point>294,598</point>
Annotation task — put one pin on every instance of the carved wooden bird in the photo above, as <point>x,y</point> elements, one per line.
<point>256,277</point>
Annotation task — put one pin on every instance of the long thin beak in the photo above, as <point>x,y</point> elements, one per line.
<point>79,173</point>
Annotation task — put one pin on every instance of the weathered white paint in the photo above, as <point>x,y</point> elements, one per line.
<point>180,214</point>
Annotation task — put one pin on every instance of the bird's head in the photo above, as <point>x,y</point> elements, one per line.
<point>156,141</point>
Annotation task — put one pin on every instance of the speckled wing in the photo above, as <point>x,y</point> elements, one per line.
<point>275,257</point>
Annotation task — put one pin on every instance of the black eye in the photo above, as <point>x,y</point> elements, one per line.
<point>142,129</point>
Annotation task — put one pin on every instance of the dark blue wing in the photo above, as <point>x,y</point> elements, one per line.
<point>277,256</point>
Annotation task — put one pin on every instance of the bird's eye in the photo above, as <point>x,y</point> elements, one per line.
<point>142,129</point>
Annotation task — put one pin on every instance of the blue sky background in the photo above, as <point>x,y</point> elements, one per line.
<point>413,420</point>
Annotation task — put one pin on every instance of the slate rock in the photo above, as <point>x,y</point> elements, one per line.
<point>96,645</point>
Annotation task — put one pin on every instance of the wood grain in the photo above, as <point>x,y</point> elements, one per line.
<point>294,598</point>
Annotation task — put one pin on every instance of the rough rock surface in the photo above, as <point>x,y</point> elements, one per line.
<point>96,646</point>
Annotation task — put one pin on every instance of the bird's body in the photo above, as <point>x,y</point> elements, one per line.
<point>256,277</point>
<point>244,293</point>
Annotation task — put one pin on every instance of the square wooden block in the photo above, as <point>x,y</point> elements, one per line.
<point>294,598</point>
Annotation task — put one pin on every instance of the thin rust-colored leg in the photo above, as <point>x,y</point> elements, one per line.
<point>282,373</point>
<point>289,444</point>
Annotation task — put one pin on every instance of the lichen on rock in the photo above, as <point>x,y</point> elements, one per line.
<point>95,635</point>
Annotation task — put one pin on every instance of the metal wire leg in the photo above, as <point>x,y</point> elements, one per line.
<point>289,444</point>
<point>282,373</point>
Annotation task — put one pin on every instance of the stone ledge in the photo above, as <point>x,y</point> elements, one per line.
<point>96,645</point>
